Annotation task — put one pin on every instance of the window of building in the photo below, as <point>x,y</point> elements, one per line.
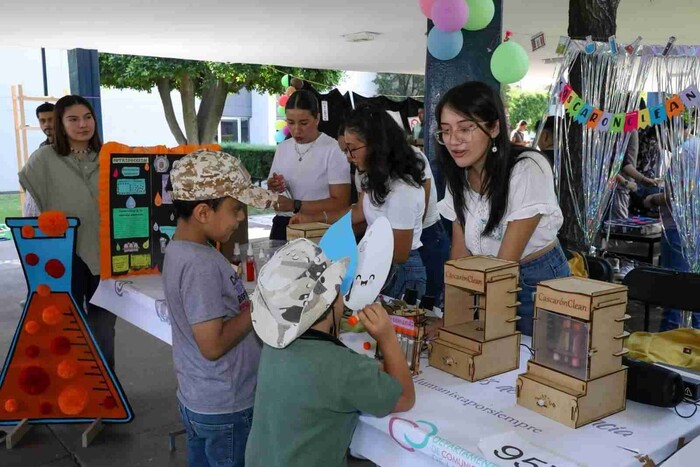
<point>234,130</point>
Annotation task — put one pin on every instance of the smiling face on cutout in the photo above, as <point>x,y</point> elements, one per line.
<point>373,264</point>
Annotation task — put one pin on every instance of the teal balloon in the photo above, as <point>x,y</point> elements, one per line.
<point>279,136</point>
<point>280,111</point>
<point>339,242</point>
<point>444,45</point>
<point>509,62</point>
<point>285,81</point>
<point>480,14</point>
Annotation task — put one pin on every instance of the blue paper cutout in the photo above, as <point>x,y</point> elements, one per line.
<point>339,242</point>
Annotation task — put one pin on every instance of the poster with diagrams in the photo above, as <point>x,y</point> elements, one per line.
<point>136,209</point>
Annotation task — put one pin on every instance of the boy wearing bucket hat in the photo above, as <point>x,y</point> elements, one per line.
<point>215,354</point>
<point>311,388</point>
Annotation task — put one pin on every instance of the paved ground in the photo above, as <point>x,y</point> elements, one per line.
<point>144,367</point>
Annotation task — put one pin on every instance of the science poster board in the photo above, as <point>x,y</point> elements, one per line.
<point>136,210</point>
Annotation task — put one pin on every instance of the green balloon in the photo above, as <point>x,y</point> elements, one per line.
<point>285,81</point>
<point>280,111</point>
<point>509,62</point>
<point>480,14</point>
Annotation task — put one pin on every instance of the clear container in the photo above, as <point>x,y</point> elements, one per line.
<point>561,342</point>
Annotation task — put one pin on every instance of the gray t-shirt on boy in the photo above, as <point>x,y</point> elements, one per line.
<point>200,285</point>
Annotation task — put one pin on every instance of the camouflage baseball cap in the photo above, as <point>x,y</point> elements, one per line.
<point>203,174</point>
<point>294,289</point>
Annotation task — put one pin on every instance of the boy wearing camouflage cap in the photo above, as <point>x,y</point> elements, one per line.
<point>215,354</point>
<point>311,388</point>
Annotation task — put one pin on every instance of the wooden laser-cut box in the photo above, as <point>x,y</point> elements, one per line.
<point>478,338</point>
<point>313,231</point>
<point>576,374</point>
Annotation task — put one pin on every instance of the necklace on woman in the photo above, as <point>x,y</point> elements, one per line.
<point>80,151</point>
<point>301,154</point>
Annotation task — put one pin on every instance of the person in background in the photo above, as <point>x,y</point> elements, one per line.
<point>419,129</point>
<point>545,143</point>
<point>629,180</point>
<point>63,176</point>
<point>499,197</point>
<point>392,187</point>
<point>44,113</point>
<point>671,248</point>
<point>309,171</point>
<point>436,243</point>
<point>311,388</point>
<point>214,352</point>
<point>517,136</point>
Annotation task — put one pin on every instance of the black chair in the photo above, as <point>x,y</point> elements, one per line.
<point>663,287</point>
<point>599,269</point>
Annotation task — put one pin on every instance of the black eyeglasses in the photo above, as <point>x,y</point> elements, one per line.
<point>347,150</point>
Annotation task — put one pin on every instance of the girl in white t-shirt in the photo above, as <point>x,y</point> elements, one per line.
<point>309,170</point>
<point>500,198</point>
<point>392,187</point>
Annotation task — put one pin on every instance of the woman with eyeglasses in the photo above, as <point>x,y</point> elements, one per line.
<point>309,170</point>
<point>392,187</point>
<point>500,198</point>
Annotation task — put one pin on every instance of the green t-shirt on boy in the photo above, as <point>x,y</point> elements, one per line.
<point>308,401</point>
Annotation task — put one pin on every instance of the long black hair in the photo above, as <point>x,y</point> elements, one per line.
<point>479,102</point>
<point>389,156</point>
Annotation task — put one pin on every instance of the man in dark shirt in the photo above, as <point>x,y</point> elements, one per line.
<point>44,113</point>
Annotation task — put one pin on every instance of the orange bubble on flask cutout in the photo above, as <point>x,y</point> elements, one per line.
<point>51,315</point>
<point>28,231</point>
<point>366,346</point>
<point>43,290</point>
<point>158,201</point>
<point>73,400</point>
<point>67,369</point>
<point>11,405</point>
<point>353,320</point>
<point>32,327</point>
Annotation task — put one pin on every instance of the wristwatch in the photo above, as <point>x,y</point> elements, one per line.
<point>297,206</point>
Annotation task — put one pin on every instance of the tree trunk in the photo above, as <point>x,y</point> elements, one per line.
<point>164,89</point>
<point>189,114</point>
<point>210,111</point>
<point>596,18</point>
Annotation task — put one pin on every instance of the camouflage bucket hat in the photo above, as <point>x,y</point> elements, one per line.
<point>294,289</point>
<point>202,175</point>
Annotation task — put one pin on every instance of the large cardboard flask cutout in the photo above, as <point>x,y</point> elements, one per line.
<point>54,371</point>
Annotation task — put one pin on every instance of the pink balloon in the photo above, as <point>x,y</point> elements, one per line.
<point>450,15</point>
<point>286,131</point>
<point>282,101</point>
<point>426,6</point>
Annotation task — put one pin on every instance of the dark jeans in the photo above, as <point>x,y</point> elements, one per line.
<point>100,321</point>
<point>408,275</point>
<point>279,228</point>
<point>550,265</point>
<point>434,252</point>
<point>672,258</point>
<point>216,440</point>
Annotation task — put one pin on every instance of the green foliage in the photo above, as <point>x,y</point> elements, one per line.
<point>399,86</point>
<point>523,105</point>
<point>257,159</point>
<point>141,74</point>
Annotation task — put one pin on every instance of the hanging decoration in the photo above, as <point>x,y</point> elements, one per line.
<point>481,14</point>
<point>509,62</point>
<point>637,119</point>
<point>445,39</point>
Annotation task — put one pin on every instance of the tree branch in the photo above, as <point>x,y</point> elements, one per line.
<point>210,112</point>
<point>164,90</point>
<point>189,114</point>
